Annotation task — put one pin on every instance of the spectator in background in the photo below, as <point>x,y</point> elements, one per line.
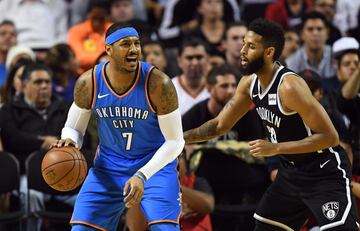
<point>355,32</point>
<point>314,54</point>
<point>40,24</point>
<point>288,13</point>
<point>7,40</point>
<point>211,26</point>
<point>33,119</point>
<point>121,10</point>
<point>252,9</point>
<point>155,10</point>
<point>193,61</point>
<point>346,15</point>
<point>14,83</point>
<point>128,11</point>
<point>154,53</point>
<point>232,43</point>
<point>346,54</point>
<point>292,44</point>
<point>76,11</point>
<point>175,24</point>
<point>64,65</point>
<point>87,38</point>
<point>328,9</point>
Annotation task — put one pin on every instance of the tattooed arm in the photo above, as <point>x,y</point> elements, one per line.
<point>83,90</point>
<point>229,115</point>
<point>162,93</point>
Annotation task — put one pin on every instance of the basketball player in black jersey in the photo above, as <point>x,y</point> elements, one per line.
<point>314,176</point>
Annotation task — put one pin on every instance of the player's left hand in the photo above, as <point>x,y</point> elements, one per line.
<point>134,190</point>
<point>262,148</point>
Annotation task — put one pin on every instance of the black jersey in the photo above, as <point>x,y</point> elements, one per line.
<point>279,125</point>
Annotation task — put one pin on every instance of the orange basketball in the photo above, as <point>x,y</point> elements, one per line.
<point>64,169</point>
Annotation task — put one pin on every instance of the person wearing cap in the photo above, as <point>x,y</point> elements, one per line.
<point>346,54</point>
<point>18,52</point>
<point>140,137</point>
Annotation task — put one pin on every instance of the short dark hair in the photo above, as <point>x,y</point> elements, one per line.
<point>313,15</point>
<point>219,70</point>
<point>116,26</point>
<point>104,4</point>
<point>312,79</point>
<point>151,42</point>
<point>7,22</point>
<point>193,42</point>
<point>8,90</point>
<point>231,25</point>
<point>272,34</point>
<point>61,51</point>
<point>35,67</point>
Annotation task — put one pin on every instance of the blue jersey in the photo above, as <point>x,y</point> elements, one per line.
<point>128,128</point>
<point>129,137</point>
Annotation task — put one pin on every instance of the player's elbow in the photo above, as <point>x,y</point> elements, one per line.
<point>209,205</point>
<point>179,144</point>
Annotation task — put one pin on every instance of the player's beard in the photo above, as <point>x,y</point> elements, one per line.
<point>252,67</point>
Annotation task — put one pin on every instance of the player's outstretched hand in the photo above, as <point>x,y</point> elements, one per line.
<point>64,143</point>
<point>134,190</point>
<point>263,148</point>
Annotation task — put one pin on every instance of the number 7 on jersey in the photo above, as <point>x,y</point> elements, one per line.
<point>128,137</point>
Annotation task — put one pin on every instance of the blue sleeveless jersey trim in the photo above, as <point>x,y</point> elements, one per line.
<point>128,128</point>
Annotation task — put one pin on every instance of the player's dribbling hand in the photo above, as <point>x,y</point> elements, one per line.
<point>134,190</point>
<point>262,148</point>
<point>64,143</point>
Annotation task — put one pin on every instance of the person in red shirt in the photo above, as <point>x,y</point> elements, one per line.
<point>287,13</point>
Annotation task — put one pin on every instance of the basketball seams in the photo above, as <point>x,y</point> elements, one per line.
<point>79,166</point>
<point>73,160</point>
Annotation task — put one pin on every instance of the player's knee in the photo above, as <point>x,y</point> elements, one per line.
<point>164,227</point>
<point>79,227</point>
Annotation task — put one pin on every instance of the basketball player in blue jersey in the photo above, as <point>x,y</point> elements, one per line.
<point>314,177</point>
<point>140,135</point>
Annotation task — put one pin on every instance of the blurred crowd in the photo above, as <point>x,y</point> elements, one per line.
<point>46,44</point>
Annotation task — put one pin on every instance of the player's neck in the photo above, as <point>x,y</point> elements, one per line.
<point>266,74</point>
<point>119,77</point>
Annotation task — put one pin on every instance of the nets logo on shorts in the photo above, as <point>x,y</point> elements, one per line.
<point>330,209</point>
